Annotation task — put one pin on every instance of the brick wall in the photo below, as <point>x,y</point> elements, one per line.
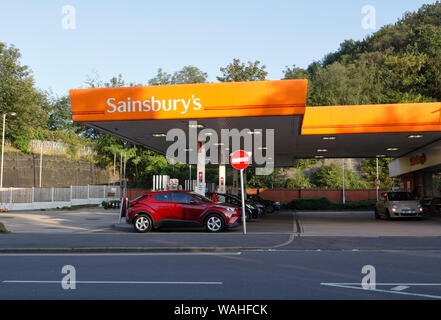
<point>287,195</point>
<point>23,170</point>
<point>135,193</point>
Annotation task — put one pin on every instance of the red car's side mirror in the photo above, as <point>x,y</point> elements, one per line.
<point>193,201</point>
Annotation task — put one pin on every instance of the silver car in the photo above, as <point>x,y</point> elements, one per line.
<point>392,205</point>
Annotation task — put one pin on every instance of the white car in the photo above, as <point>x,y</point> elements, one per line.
<point>392,205</point>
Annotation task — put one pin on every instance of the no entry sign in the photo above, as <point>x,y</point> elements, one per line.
<point>240,160</point>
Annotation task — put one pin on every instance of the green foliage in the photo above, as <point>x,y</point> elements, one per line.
<point>369,169</point>
<point>237,71</point>
<point>274,181</point>
<point>339,84</point>
<point>295,73</point>
<point>187,75</point>
<point>300,181</point>
<point>306,163</point>
<point>162,78</point>
<point>330,177</point>
<point>17,94</point>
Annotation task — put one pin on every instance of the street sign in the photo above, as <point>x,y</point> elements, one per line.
<point>377,182</point>
<point>173,184</point>
<point>240,160</point>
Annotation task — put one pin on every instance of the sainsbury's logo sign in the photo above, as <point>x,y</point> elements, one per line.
<point>153,105</point>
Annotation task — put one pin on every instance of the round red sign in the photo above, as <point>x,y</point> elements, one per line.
<point>240,160</point>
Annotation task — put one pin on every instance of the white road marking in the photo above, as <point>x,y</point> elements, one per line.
<point>351,286</point>
<point>119,282</point>
<point>292,236</point>
<point>400,288</point>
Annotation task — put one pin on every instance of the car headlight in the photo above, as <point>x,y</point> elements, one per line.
<point>394,208</point>
<point>227,208</point>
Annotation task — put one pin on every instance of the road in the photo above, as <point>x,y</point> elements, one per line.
<point>250,275</point>
<point>299,256</point>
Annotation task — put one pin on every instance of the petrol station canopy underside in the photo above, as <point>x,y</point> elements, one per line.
<point>143,116</point>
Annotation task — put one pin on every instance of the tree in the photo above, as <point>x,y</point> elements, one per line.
<point>276,180</point>
<point>330,177</point>
<point>295,73</point>
<point>18,94</point>
<point>300,181</point>
<point>237,71</point>
<point>369,172</point>
<point>340,84</point>
<point>161,79</point>
<point>60,114</point>
<point>187,75</point>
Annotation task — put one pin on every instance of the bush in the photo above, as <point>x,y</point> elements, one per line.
<point>3,228</point>
<point>326,204</point>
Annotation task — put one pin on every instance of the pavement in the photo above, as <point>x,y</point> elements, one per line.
<point>97,230</point>
<point>84,220</point>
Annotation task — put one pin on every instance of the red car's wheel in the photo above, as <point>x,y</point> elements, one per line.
<point>142,224</point>
<point>214,223</point>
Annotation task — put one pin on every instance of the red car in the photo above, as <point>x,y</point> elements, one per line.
<point>179,208</point>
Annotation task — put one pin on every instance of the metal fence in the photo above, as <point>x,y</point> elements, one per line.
<point>40,198</point>
<point>54,147</point>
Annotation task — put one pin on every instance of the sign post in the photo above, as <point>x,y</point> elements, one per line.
<point>377,186</point>
<point>240,160</point>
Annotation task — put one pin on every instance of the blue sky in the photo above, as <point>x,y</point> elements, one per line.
<point>135,38</point>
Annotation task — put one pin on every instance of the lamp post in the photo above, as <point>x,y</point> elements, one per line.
<point>343,179</point>
<point>3,145</point>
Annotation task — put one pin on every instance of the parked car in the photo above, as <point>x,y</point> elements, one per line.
<point>180,208</point>
<point>433,206</point>
<point>270,206</point>
<point>252,210</point>
<point>393,205</point>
